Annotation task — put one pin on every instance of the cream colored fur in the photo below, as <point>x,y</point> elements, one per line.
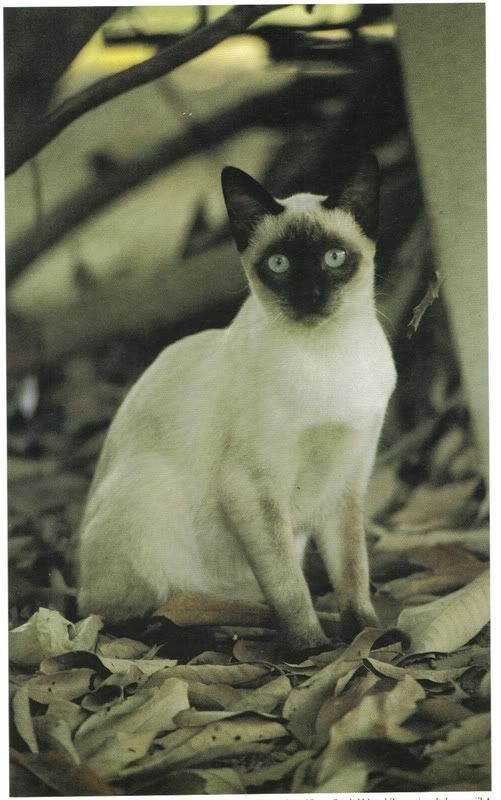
<point>237,442</point>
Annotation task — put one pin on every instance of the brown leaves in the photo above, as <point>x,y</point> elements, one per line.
<point>429,298</point>
<point>451,621</point>
<point>191,608</point>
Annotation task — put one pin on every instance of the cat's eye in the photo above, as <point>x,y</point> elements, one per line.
<point>278,263</point>
<point>335,258</point>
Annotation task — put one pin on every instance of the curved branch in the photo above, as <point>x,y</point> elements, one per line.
<point>233,22</point>
<point>130,173</point>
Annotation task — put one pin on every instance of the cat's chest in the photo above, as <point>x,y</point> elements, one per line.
<point>332,390</point>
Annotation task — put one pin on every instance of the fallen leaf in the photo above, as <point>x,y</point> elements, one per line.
<point>450,622</point>
<point>144,665</point>
<point>266,698</point>
<point>155,713</point>
<point>191,718</point>
<point>248,652</point>
<point>65,685</point>
<point>400,541</point>
<point>108,647</point>
<point>385,670</point>
<point>213,697</point>
<point>211,657</point>
<point>231,675</point>
<point>217,740</point>
<point>54,770</point>
<point>119,751</point>
<point>378,715</point>
<point>22,718</point>
<point>436,505</point>
<point>470,730</point>
<point>194,608</point>
<point>303,704</point>
<point>349,779</point>
<point>403,588</point>
<point>442,710</point>
<point>54,733</point>
<point>48,633</point>
<point>431,294</point>
<point>71,713</point>
<point>206,781</point>
<point>335,706</point>
<point>275,772</point>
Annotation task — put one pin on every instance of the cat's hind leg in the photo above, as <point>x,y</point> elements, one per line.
<point>128,546</point>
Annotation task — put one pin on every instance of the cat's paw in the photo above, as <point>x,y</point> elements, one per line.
<point>353,621</point>
<point>295,647</point>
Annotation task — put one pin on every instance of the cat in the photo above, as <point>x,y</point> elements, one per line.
<point>237,444</point>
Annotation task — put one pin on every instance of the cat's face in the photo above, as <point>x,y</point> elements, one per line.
<point>305,254</point>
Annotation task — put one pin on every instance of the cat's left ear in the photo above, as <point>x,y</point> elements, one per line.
<point>246,202</point>
<point>360,197</point>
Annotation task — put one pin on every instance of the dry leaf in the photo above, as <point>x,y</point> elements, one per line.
<point>148,666</point>
<point>249,652</point>
<point>54,733</point>
<point>119,751</point>
<point>275,772</point>
<point>109,647</point>
<point>336,706</point>
<point>400,541</point>
<point>443,710</point>
<point>191,746</point>
<point>303,704</point>
<point>266,698</point>
<point>64,685</point>
<point>155,713</point>
<point>437,505</point>
<point>213,697</point>
<point>195,608</point>
<point>22,718</point>
<point>473,729</point>
<point>206,781</point>
<point>431,294</point>
<point>378,715</point>
<point>71,713</point>
<point>385,670</point>
<point>349,779</point>
<point>48,633</point>
<point>231,675</point>
<point>211,657</point>
<point>450,622</point>
<point>191,718</point>
<point>58,774</point>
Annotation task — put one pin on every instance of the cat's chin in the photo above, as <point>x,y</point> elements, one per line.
<point>311,319</point>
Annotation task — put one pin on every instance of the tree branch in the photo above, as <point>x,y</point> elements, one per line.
<point>233,22</point>
<point>263,110</point>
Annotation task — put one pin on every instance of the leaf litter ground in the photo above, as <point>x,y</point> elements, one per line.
<point>200,698</point>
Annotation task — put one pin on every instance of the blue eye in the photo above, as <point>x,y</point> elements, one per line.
<point>335,258</point>
<point>278,263</point>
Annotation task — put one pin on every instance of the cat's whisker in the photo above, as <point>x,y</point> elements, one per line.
<point>236,292</point>
<point>382,314</point>
<point>384,278</point>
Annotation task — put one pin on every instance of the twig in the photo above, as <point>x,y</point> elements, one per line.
<point>133,172</point>
<point>234,21</point>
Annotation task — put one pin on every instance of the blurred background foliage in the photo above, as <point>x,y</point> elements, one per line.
<point>117,227</point>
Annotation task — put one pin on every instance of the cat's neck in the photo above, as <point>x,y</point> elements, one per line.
<point>256,329</point>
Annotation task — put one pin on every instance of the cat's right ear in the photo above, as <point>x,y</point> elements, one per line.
<point>246,202</point>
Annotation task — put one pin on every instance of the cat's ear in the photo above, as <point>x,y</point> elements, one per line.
<point>360,197</point>
<point>246,202</point>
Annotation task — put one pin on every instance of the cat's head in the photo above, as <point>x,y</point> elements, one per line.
<point>308,253</point>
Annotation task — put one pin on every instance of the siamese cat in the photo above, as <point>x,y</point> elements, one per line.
<point>237,444</point>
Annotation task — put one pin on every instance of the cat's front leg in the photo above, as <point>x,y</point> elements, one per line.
<point>342,544</point>
<point>265,534</point>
